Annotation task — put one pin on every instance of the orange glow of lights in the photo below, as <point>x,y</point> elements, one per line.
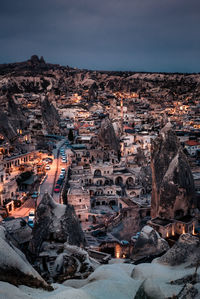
<point>173,233</point>
<point>183,232</point>
<point>117,251</point>
<point>193,229</point>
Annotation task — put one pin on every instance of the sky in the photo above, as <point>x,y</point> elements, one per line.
<point>136,35</point>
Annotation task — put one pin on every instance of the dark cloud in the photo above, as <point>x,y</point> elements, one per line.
<point>152,35</point>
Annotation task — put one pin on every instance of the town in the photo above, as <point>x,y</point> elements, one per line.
<point>96,149</point>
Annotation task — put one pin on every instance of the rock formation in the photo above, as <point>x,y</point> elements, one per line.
<point>55,223</point>
<point>14,267</point>
<point>6,128</point>
<point>172,180</point>
<point>50,116</point>
<point>107,135</point>
<point>186,249</point>
<point>145,178</point>
<point>64,261</point>
<point>149,243</point>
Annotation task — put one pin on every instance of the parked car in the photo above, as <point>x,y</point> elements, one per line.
<point>59,181</point>
<point>63,170</point>
<point>61,176</point>
<point>49,160</point>
<point>35,194</point>
<point>47,167</point>
<point>31,222</point>
<point>57,189</point>
<point>31,215</point>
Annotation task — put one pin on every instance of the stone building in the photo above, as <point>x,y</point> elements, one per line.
<point>79,197</point>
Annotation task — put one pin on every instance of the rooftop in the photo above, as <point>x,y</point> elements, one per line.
<point>192,143</point>
<point>161,221</point>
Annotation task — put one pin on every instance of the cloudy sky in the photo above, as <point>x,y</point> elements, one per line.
<point>141,35</point>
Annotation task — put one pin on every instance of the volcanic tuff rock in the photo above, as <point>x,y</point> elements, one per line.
<point>186,249</point>
<point>55,222</point>
<point>149,243</point>
<point>29,76</point>
<point>50,116</point>
<point>11,117</point>
<point>14,267</point>
<point>68,262</point>
<point>107,135</point>
<point>172,180</point>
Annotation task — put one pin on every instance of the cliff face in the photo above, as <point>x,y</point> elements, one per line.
<point>172,180</point>
<point>107,135</point>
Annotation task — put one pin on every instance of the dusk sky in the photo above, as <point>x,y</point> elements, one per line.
<point>140,35</point>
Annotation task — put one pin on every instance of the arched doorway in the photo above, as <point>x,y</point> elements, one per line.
<point>97,173</point>
<point>119,181</point>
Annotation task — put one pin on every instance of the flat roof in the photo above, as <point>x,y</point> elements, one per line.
<point>161,221</point>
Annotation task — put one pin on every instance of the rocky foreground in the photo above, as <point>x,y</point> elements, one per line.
<point>173,275</point>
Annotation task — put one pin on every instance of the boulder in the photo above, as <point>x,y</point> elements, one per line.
<point>69,262</point>
<point>185,250</point>
<point>149,243</point>
<point>172,180</point>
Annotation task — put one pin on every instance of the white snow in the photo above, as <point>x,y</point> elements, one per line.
<point>109,282</point>
<point>8,291</point>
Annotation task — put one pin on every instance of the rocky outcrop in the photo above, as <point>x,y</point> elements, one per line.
<point>149,243</point>
<point>11,118</point>
<point>6,128</point>
<point>14,267</point>
<point>64,261</point>
<point>185,250</point>
<point>172,180</point>
<point>55,223</point>
<point>57,237</point>
<point>145,178</point>
<point>50,116</point>
<point>107,135</point>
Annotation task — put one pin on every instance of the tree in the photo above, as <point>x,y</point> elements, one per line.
<point>71,135</point>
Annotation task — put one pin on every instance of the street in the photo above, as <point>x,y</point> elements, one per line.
<point>46,186</point>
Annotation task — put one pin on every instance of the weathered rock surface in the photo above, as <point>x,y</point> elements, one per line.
<point>186,249</point>
<point>145,177</point>
<point>107,135</point>
<point>55,222</point>
<point>172,180</point>
<point>188,292</point>
<point>6,128</point>
<point>149,243</point>
<point>14,267</point>
<point>64,261</point>
<point>50,116</point>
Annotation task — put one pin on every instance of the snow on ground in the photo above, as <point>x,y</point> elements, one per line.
<point>8,291</point>
<point>109,282</point>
